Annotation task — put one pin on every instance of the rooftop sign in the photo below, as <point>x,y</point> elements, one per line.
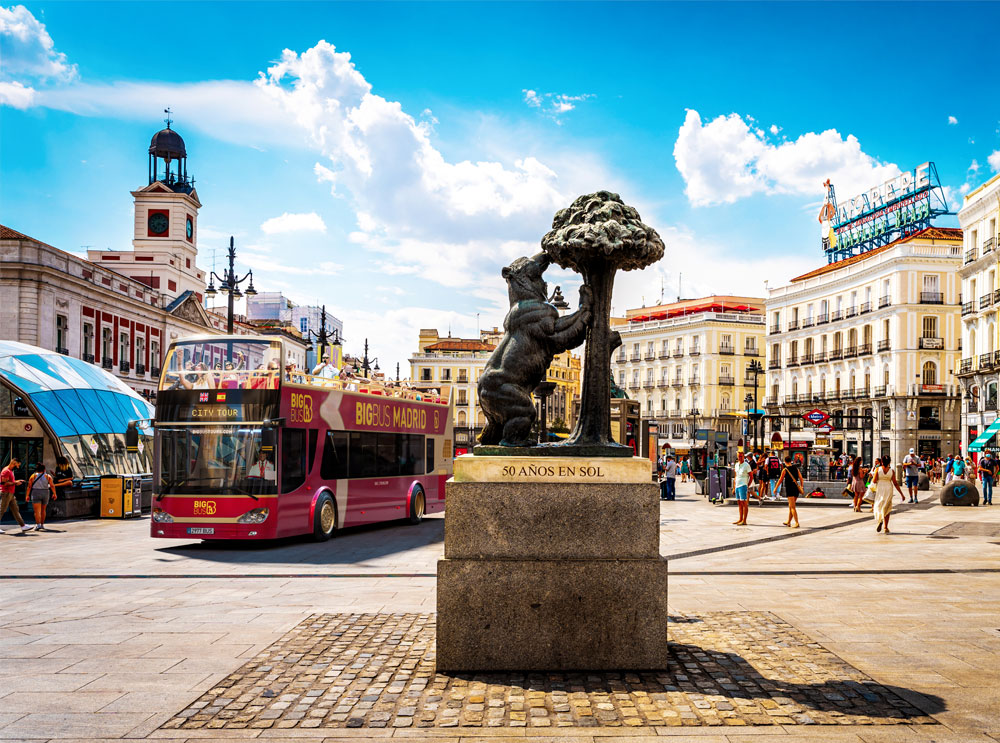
<point>899,207</point>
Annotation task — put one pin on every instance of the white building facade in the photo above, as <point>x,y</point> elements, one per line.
<point>979,368</point>
<point>871,340</point>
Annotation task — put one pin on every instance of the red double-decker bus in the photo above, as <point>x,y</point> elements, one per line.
<point>247,449</point>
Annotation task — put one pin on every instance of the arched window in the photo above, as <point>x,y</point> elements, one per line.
<point>822,385</point>
<point>852,338</point>
<point>838,341</point>
<point>725,402</point>
<point>928,373</point>
<point>991,396</point>
<point>461,418</point>
<point>868,381</point>
<point>836,385</point>
<point>868,336</point>
<point>807,350</point>
<point>795,387</point>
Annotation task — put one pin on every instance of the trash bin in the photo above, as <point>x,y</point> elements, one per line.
<point>121,496</point>
<point>717,483</point>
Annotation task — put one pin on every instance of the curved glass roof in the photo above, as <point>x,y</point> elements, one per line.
<point>75,398</point>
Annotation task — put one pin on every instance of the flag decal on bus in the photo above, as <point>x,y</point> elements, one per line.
<point>220,396</point>
<point>202,397</point>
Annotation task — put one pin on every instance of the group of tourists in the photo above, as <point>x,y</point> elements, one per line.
<point>42,488</point>
<point>771,475</point>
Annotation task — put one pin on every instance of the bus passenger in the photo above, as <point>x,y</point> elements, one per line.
<point>204,379</point>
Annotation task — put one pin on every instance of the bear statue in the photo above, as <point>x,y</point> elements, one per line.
<point>533,334</point>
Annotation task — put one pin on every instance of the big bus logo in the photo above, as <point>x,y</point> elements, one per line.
<point>302,408</point>
<point>204,508</point>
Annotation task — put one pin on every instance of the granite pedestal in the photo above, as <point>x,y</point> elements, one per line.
<point>551,564</point>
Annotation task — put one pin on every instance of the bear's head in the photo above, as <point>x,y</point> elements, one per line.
<point>524,278</point>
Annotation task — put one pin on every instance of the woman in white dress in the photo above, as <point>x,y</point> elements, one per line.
<point>885,482</point>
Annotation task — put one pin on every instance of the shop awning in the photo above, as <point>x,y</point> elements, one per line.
<point>985,436</point>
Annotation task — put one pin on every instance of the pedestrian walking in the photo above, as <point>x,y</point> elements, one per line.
<point>8,495</point>
<point>685,470</point>
<point>41,488</point>
<point>63,477</point>
<point>857,484</point>
<point>912,464</point>
<point>743,478</point>
<point>791,477</point>
<point>958,468</point>
<point>774,471</point>
<point>987,473</point>
<point>885,483</point>
<point>669,492</point>
<point>948,465</point>
<point>760,477</point>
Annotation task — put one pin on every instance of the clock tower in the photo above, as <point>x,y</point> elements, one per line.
<point>165,230</point>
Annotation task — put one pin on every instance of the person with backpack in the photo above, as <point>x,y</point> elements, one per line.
<point>774,472</point>
<point>41,489</point>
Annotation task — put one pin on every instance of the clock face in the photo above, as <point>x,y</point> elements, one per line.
<point>158,223</point>
<point>190,228</point>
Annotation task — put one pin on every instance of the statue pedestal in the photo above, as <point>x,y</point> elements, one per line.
<point>551,564</point>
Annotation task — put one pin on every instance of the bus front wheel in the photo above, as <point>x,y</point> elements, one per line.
<point>417,504</point>
<point>324,518</point>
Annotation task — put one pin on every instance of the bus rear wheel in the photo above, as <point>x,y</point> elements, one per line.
<point>324,518</point>
<point>417,505</point>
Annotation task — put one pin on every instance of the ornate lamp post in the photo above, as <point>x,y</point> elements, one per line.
<point>694,423</point>
<point>756,368</point>
<point>367,364</point>
<point>229,284</point>
<point>322,337</point>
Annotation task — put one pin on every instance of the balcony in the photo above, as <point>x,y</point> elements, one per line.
<point>929,424</point>
<point>836,354</point>
<point>154,372</point>
<point>807,358</point>
<point>650,356</point>
<point>649,384</point>
<point>819,357</point>
<point>727,350</point>
<point>972,406</point>
<point>864,349</point>
<point>985,361</point>
<point>678,353</point>
<point>140,370</point>
<point>970,255</point>
<point>986,300</point>
<point>836,315</point>
<point>823,318</point>
<point>694,381</point>
<point>63,351</point>
<point>462,404</point>
<point>866,307</point>
<point>880,391</point>
<point>988,245</point>
<point>774,364</point>
<point>106,363</point>
<point>808,323</point>
<point>664,383</point>
<point>664,355</point>
<point>967,308</point>
<point>726,381</point>
<point>850,352</point>
<point>884,302</point>
<point>751,351</point>
<point>635,357</point>
<point>931,298</point>
<point>770,402</point>
<point>792,361</point>
<point>931,344</point>
<point>621,358</point>
<point>793,324</point>
<point>89,358</point>
<point>677,434</point>
<point>123,367</point>
<point>775,329</point>
<point>693,413</point>
<point>695,351</point>
<point>677,383</point>
<point>748,380</point>
<point>965,366</point>
<point>462,380</point>
<point>851,312</point>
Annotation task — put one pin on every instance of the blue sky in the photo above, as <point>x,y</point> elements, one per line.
<point>392,184</point>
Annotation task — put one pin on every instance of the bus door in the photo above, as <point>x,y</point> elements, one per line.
<point>295,499</point>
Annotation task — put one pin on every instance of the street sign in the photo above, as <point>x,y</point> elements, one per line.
<point>816,417</point>
<point>702,434</point>
<point>746,426</point>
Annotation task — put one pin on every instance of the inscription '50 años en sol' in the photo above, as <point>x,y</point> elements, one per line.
<point>547,470</point>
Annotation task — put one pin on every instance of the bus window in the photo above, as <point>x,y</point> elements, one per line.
<point>430,455</point>
<point>313,436</point>
<point>293,459</point>
<point>413,454</point>
<point>389,451</point>
<point>334,464</point>
<point>362,454</point>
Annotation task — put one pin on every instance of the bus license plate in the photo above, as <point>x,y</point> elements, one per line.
<point>201,530</point>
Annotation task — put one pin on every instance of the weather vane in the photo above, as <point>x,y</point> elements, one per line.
<point>167,112</point>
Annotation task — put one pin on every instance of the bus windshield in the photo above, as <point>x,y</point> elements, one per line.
<point>212,460</point>
<point>222,364</point>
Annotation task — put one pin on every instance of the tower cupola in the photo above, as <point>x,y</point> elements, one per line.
<point>168,146</point>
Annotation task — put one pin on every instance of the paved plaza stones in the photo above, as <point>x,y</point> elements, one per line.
<point>377,671</point>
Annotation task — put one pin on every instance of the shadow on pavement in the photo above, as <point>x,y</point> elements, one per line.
<point>354,545</point>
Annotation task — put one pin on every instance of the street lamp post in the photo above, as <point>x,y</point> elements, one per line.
<point>749,447</point>
<point>694,423</point>
<point>230,284</point>
<point>322,337</point>
<point>756,368</point>
<point>367,364</point>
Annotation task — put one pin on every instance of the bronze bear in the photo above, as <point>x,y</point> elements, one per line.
<point>533,334</point>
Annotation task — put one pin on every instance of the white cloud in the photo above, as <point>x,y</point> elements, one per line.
<point>974,166</point>
<point>994,161</point>
<point>952,121</point>
<point>28,50</point>
<point>310,222</point>
<point>553,105</point>
<point>964,188</point>
<point>726,160</point>
<point>775,129</point>
<point>17,95</point>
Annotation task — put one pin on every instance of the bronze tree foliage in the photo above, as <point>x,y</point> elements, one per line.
<point>597,236</point>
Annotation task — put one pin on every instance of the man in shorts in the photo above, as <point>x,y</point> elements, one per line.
<point>8,498</point>
<point>741,482</point>
<point>987,472</point>
<point>911,466</point>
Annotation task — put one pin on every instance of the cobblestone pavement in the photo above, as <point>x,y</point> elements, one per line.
<point>377,671</point>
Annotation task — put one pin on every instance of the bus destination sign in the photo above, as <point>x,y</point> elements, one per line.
<point>366,413</point>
